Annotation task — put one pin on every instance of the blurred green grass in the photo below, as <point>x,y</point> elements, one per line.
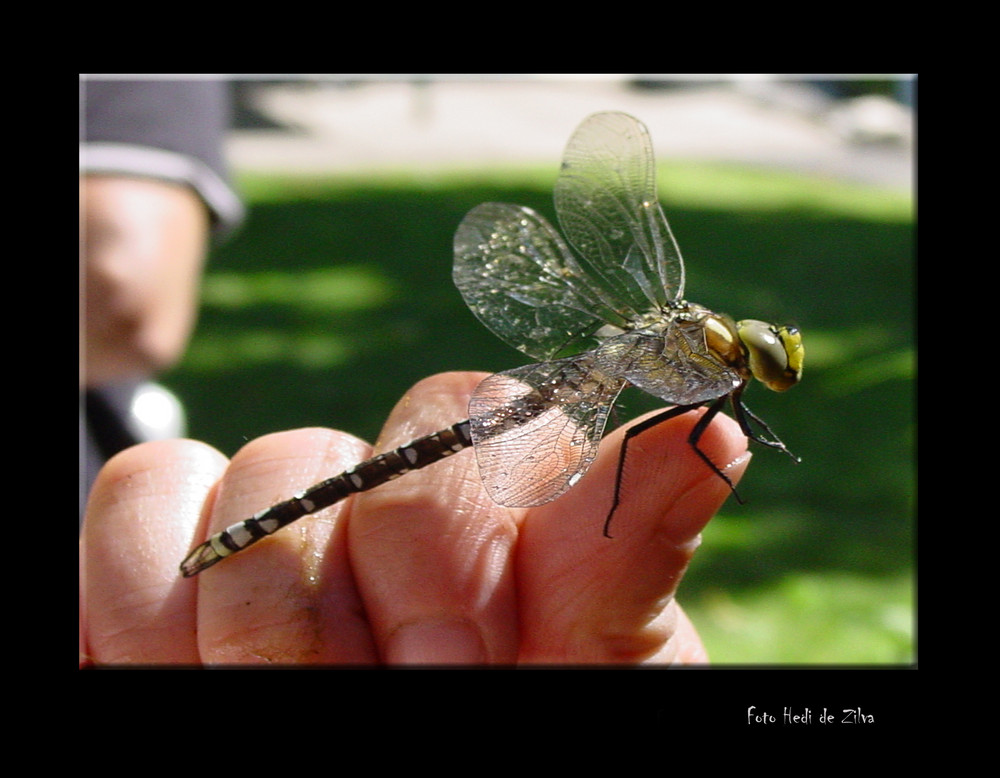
<point>336,297</point>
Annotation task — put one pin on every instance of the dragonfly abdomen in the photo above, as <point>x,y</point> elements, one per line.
<point>367,475</point>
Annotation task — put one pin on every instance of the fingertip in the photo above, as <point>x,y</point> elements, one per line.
<point>146,507</point>
<point>290,598</point>
<point>137,482</point>
<point>667,486</point>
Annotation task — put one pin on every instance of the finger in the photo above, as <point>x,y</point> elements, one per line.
<point>685,645</point>
<point>290,598</point>
<point>431,550</point>
<point>681,644</point>
<point>587,598</point>
<point>145,509</point>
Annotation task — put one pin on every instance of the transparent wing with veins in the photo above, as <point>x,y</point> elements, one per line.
<point>536,428</point>
<point>608,209</point>
<point>520,280</point>
<point>518,275</point>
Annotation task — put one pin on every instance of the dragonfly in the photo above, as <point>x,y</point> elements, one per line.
<point>607,314</point>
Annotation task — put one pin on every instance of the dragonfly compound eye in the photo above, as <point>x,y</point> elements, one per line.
<point>775,353</point>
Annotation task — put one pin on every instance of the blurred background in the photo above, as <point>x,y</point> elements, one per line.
<point>791,199</point>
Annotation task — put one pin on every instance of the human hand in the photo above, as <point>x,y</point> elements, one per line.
<point>142,248</point>
<point>423,569</point>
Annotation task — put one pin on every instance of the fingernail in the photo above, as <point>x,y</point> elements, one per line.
<point>436,642</point>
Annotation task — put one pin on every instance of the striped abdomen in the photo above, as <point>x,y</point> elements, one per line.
<point>360,478</point>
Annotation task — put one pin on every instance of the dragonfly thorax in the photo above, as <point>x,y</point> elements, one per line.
<point>721,336</point>
<point>706,332</point>
<point>654,322</point>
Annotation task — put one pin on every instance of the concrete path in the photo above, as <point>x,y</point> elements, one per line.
<point>325,125</point>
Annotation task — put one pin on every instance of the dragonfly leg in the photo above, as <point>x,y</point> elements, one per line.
<point>744,416</point>
<point>633,432</point>
<point>698,430</point>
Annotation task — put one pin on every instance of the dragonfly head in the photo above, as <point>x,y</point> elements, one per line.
<point>775,353</point>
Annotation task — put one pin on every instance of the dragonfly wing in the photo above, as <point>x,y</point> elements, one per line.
<point>536,429</point>
<point>520,280</point>
<point>608,209</point>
